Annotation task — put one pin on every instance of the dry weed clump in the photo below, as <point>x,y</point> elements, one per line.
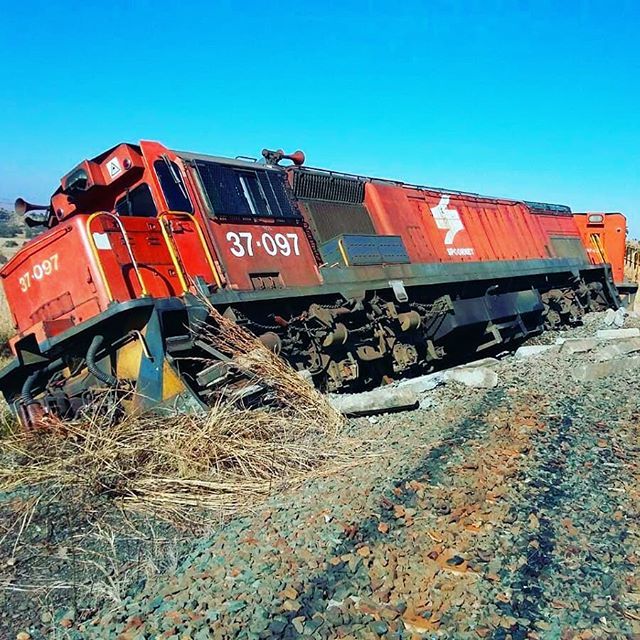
<point>6,330</point>
<point>7,423</point>
<point>6,321</point>
<point>223,459</point>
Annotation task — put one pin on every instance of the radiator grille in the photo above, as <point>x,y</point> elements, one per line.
<point>567,247</point>
<point>320,186</point>
<point>334,218</point>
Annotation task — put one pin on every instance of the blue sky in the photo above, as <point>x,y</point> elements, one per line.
<point>534,100</point>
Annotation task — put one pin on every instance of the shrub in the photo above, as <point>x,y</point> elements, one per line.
<point>9,229</point>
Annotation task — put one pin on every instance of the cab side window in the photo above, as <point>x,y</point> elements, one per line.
<point>137,202</point>
<point>172,185</point>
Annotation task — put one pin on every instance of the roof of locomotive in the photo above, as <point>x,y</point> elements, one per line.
<point>238,161</point>
<point>248,162</point>
<point>252,163</point>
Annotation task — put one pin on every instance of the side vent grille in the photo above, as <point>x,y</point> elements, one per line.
<point>308,185</point>
<point>333,218</point>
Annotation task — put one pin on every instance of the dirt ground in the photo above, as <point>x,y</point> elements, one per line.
<point>503,512</point>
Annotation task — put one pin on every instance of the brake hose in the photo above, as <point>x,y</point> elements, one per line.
<point>103,376</point>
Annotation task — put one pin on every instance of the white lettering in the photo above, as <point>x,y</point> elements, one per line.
<point>248,238</point>
<point>280,243</point>
<point>269,244</point>
<point>462,251</point>
<point>39,270</point>
<point>237,249</point>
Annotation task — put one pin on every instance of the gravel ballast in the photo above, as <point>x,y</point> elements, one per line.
<point>503,511</point>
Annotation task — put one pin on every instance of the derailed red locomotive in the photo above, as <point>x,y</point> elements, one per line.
<point>354,280</point>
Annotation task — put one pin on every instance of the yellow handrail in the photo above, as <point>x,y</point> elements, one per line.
<point>174,254</point>
<point>595,241</point>
<point>94,250</point>
<point>343,252</point>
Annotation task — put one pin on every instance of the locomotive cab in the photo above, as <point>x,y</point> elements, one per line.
<point>604,236</point>
<point>146,222</point>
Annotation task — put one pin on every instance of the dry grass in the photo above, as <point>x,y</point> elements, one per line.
<point>6,322</point>
<point>7,421</point>
<point>225,459</point>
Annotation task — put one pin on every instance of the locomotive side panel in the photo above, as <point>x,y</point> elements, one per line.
<point>483,229</point>
<point>265,256</point>
<point>450,227</point>
<point>134,257</point>
<point>506,228</point>
<point>430,229</point>
<point>562,236</point>
<point>255,227</point>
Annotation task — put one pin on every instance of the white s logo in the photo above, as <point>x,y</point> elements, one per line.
<point>448,219</point>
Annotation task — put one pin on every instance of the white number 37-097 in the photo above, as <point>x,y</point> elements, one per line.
<point>39,271</point>
<point>242,244</point>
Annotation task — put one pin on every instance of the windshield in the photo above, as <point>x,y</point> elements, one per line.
<point>172,185</point>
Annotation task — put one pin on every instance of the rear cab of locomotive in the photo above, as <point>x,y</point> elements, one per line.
<point>604,235</point>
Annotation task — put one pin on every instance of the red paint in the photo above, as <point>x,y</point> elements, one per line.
<point>489,229</point>
<point>55,281</point>
<point>52,283</point>
<point>248,250</point>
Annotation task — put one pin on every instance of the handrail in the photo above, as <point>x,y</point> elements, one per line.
<point>94,250</point>
<point>343,251</point>
<point>175,254</point>
<point>595,241</point>
<point>180,271</point>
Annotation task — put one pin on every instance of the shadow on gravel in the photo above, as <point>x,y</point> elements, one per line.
<point>338,581</point>
<point>545,499</point>
<point>566,480</point>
